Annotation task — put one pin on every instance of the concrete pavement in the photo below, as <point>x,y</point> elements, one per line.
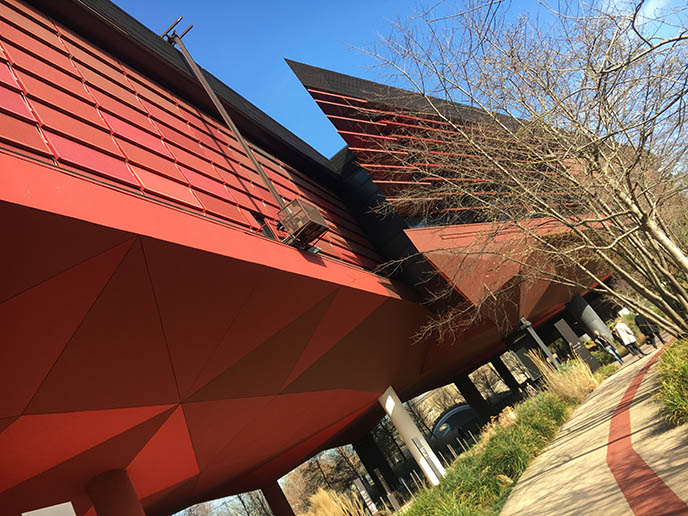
<point>615,456</point>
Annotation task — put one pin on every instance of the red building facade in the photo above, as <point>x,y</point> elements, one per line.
<point>153,320</point>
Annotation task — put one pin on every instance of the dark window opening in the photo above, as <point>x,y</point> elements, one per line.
<point>264,226</point>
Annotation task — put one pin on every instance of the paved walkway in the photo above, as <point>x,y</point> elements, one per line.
<point>615,456</point>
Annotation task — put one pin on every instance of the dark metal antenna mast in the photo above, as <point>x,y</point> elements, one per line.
<point>176,39</point>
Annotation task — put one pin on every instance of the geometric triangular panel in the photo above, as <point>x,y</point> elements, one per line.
<point>169,452</point>
<point>118,356</point>
<point>197,303</point>
<point>347,311</point>
<point>272,361</point>
<point>275,302</point>
<point>38,323</point>
<point>70,434</point>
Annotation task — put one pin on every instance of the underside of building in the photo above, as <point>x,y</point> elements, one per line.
<point>157,318</point>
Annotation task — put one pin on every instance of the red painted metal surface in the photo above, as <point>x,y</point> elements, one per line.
<point>79,93</point>
<point>172,346</point>
<point>156,318</point>
<point>147,323</point>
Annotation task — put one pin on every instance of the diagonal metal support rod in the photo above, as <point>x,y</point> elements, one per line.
<point>176,39</point>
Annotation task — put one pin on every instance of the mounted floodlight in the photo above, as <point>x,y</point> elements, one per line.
<point>303,221</point>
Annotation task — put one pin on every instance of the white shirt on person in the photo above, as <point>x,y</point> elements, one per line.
<point>624,333</point>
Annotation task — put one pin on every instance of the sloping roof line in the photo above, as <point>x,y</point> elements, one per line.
<point>327,80</point>
<point>123,26</point>
<point>409,101</point>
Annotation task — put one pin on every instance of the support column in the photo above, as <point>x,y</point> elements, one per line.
<point>279,505</point>
<point>526,325</point>
<point>576,345</point>
<point>473,397</point>
<point>112,494</point>
<point>505,374</point>
<point>372,458</point>
<point>586,315</point>
<point>412,437</point>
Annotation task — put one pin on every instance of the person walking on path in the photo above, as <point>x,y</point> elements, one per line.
<point>649,329</point>
<point>602,341</point>
<point>627,338</point>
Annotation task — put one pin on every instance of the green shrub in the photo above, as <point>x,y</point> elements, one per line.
<point>673,373</point>
<point>602,357</point>
<point>511,449</point>
<point>606,371</point>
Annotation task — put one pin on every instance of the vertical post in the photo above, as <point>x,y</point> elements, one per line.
<point>529,328</point>
<point>372,459</point>
<point>472,396</point>
<point>576,345</point>
<point>505,374</point>
<point>412,437</point>
<point>112,494</point>
<point>279,505</point>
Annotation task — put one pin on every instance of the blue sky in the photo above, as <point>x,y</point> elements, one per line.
<point>244,44</point>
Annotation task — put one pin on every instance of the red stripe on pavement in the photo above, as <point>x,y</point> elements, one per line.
<point>645,492</point>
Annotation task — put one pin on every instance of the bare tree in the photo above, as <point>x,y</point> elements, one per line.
<point>202,509</point>
<point>560,137</point>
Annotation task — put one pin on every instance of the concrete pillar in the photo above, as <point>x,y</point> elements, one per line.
<point>412,437</point>
<point>576,345</point>
<point>586,315</point>
<point>473,397</point>
<point>279,505</point>
<point>113,495</point>
<point>505,374</point>
<point>372,458</point>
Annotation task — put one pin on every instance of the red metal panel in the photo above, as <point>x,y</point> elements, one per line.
<point>160,115</point>
<point>22,134</point>
<point>194,118</point>
<point>97,64</point>
<point>220,159</point>
<point>13,103</point>
<point>68,125</point>
<point>136,135</point>
<point>156,96</point>
<point>82,156</point>
<point>221,208</point>
<point>109,86</point>
<point>166,188</point>
<point>154,162</point>
<point>57,77</point>
<point>7,78</point>
<point>39,30</point>
<point>74,39</point>
<point>224,137</point>
<point>36,47</point>
<point>122,110</point>
<point>28,11</point>
<point>37,89</point>
<point>180,139</point>
<point>201,182</point>
<point>191,160</point>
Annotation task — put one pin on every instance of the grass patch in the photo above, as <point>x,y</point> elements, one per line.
<point>673,373</point>
<point>572,382</point>
<point>478,482</point>
<point>605,371</point>
<point>328,503</point>
<point>603,357</point>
